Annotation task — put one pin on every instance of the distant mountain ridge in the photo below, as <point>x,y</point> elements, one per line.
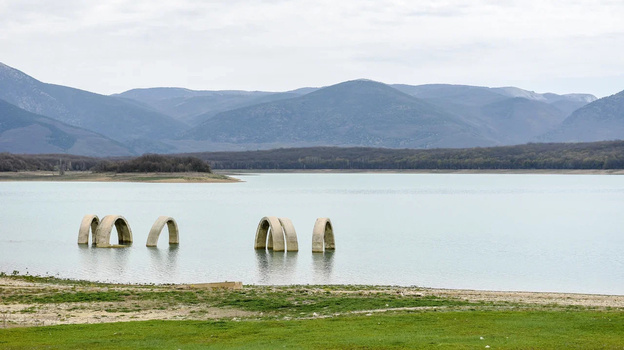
<point>604,117</point>
<point>112,117</point>
<point>25,132</point>
<point>195,106</point>
<point>479,95</point>
<point>353,113</point>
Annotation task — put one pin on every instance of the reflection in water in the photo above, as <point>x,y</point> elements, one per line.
<point>119,257</point>
<point>163,263</point>
<point>89,260</point>
<point>156,259</point>
<point>275,267</point>
<point>97,262</point>
<point>323,264</point>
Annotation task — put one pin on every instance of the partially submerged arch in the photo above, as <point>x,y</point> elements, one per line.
<point>323,236</point>
<point>172,226</point>
<point>292,245</point>
<point>270,227</point>
<point>89,222</point>
<point>103,232</point>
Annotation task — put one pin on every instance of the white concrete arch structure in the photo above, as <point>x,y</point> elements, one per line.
<point>323,236</point>
<point>172,226</point>
<point>271,226</point>
<point>292,245</point>
<point>89,222</point>
<point>106,226</point>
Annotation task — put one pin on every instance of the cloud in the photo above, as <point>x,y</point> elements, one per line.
<point>109,46</point>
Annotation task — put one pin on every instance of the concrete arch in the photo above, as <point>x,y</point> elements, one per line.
<point>89,222</point>
<point>292,245</point>
<point>275,235</point>
<point>103,232</point>
<point>172,226</point>
<point>323,236</point>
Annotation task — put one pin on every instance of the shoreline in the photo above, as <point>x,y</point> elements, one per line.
<point>235,172</point>
<point>34,301</point>
<point>87,176</point>
<point>226,175</point>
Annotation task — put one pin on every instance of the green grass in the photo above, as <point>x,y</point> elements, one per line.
<point>302,317</point>
<point>297,302</point>
<point>408,330</point>
<point>72,297</point>
<point>285,301</point>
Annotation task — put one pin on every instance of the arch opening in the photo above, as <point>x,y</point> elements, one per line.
<point>90,223</point>
<point>270,234</point>
<point>103,233</point>
<point>159,225</point>
<point>323,236</point>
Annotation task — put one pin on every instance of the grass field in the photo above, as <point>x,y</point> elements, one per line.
<point>403,330</point>
<point>300,317</point>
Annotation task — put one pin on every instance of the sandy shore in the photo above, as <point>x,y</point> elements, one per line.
<point>87,176</point>
<point>224,176</point>
<point>16,314</point>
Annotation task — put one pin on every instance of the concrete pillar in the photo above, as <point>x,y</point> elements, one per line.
<point>292,245</point>
<point>103,232</point>
<point>172,226</point>
<point>323,236</point>
<point>89,222</point>
<point>275,235</point>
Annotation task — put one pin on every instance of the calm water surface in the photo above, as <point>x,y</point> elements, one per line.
<point>499,232</point>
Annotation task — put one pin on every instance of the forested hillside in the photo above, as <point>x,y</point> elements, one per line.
<point>597,155</point>
<point>143,164</point>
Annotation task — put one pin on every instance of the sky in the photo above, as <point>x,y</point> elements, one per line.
<point>574,46</point>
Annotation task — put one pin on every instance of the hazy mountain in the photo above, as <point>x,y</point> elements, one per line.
<point>567,103</point>
<point>149,95</point>
<point>570,102</point>
<point>600,120</point>
<point>360,112</point>
<point>509,115</point>
<point>194,107</point>
<point>109,116</point>
<point>25,132</point>
<point>455,94</point>
<point>480,96</point>
<point>354,113</point>
<point>519,120</point>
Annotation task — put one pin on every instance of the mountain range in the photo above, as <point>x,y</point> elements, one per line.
<point>37,117</point>
<point>117,119</point>
<point>25,132</point>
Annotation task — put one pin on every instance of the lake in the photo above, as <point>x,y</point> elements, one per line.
<point>560,233</point>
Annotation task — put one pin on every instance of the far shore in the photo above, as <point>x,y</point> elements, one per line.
<point>88,176</point>
<point>425,171</point>
<point>225,175</point>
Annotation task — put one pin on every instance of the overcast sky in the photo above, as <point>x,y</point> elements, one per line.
<point>112,46</point>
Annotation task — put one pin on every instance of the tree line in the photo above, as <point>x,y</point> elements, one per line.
<point>154,163</point>
<point>594,155</point>
<point>45,162</point>
<point>145,164</point>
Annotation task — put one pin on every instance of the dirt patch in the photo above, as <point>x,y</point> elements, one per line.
<point>17,311</point>
<point>562,299</point>
<point>22,315</point>
<point>45,314</point>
